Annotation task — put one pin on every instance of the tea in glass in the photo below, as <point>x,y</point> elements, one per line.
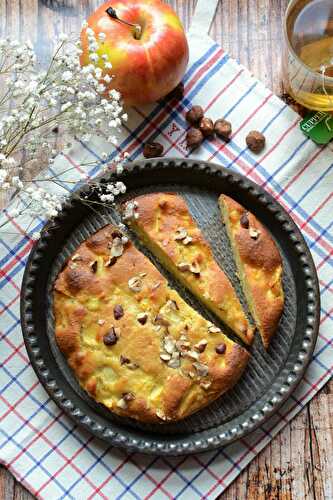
<point>308,61</point>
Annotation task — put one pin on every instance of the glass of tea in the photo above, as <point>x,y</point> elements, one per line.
<point>308,58</point>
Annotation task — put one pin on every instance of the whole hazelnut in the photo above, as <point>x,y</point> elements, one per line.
<point>223,128</point>
<point>206,126</point>
<point>194,115</point>
<point>194,138</point>
<point>177,93</point>
<point>152,150</point>
<point>220,348</point>
<point>255,141</point>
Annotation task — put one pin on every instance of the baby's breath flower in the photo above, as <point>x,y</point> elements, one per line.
<point>121,187</point>
<point>87,69</point>
<point>113,140</point>
<point>66,76</point>
<point>63,37</point>
<point>114,94</point>
<point>92,46</point>
<point>94,57</point>
<point>91,79</point>
<point>48,107</point>
<point>98,72</point>
<point>112,124</point>
<point>106,197</point>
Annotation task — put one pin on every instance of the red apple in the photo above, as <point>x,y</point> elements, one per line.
<point>147,63</point>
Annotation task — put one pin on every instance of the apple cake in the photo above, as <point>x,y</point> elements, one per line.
<point>259,266</point>
<point>133,343</point>
<point>164,224</point>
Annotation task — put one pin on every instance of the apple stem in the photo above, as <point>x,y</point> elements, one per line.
<point>137,28</point>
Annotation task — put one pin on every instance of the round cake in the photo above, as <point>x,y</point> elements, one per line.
<point>132,342</point>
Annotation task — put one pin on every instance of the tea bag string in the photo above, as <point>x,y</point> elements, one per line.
<point>323,76</point>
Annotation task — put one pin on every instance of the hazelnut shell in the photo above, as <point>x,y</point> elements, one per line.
<point>223,128</point>
<point>152,150</point>
<point>255,141</point>
<point>206,126</point>
<point>194,115</point>
<point>194,138</point>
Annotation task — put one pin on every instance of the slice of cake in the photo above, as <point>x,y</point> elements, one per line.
<point>259,266</point>
<point>133,343</point>
<point>164,224</point>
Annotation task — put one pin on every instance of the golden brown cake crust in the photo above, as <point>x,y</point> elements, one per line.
<point>261,264</point>
<point>128,376</point>
<point>158,219</point>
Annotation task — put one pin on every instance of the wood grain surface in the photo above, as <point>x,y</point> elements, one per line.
<point>297,464</point>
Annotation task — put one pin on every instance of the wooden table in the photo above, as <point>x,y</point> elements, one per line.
<point>297,464</point>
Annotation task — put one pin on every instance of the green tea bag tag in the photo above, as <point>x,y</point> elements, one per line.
<point>318,126</point>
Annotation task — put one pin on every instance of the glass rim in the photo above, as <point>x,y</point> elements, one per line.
<point>290,48</point>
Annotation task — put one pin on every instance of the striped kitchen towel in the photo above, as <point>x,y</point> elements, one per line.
<point>41,446</point>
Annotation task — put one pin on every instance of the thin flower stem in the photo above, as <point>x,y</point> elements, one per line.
<point>4,97</point>
<point>93,202</point>
<point>63,187</point>
<point>34,108</point>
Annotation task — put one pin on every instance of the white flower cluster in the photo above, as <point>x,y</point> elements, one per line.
<point>112,190</point>
<point>41,199</point>
<point>15,56</point>
<point>42,111</point>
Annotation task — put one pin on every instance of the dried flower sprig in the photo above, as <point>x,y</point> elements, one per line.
<point>42,112</point>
